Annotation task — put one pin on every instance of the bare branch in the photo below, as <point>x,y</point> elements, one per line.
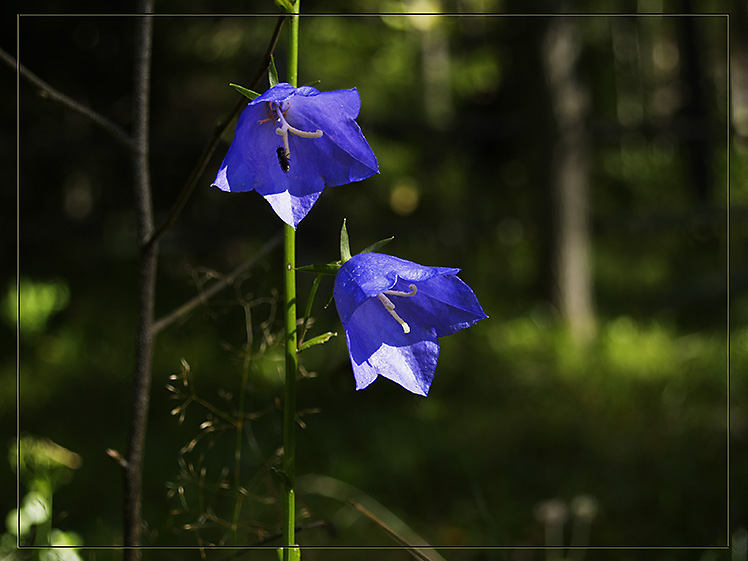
<point>51,93</point>
<point>216,287</point>
<point>147,266</point>
<point>218,131</point>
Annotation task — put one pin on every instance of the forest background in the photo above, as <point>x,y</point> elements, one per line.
<point>575,168</point>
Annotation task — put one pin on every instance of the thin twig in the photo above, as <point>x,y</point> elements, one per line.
<point>165,321</point>
<point>147,266</point>
<point>218,131</point>
<point>49,92</point>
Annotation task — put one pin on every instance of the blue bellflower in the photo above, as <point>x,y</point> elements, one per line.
<point>393,312</point>
<point>292,142</point>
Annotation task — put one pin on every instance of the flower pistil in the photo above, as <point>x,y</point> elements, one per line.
<point>390,307</point>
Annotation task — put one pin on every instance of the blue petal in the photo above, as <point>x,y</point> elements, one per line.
<point>444,303</point>
<point>346,152</point>
<point>377,346</point>
<point>252,164</point>
<point>367,274</point>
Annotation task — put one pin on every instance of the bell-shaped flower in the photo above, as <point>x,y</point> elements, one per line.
<point>292,142</point>
<point>393,312</point>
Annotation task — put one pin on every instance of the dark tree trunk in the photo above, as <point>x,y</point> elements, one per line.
<point>698,144</point>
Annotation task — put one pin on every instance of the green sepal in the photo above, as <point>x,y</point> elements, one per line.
<point>244,91</point>
<point>318,340</point>
<point>328,269</point>
<point>345,245</point>
<point>312,84</point>
<point>281,476</point>
<point>272,72</point>
<point>345,254</point>
<point>377,245</point>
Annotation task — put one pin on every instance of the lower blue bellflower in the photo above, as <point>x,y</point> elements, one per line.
<point>393,312</point>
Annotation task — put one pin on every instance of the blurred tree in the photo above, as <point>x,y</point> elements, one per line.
<point>739,72</point>
<point>569,176</point>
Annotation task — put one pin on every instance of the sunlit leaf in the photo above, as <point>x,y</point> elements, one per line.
<point>318,340</point>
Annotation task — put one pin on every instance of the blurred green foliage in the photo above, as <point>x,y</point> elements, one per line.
<point>40,301</point>
<point>522,423</point>
<point>42,466</point>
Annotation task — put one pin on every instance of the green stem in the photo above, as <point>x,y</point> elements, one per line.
<point>292,365</point>
<point>289,407</point>
<point>293,46</point>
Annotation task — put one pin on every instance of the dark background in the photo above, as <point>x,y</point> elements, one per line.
<point>620,402</point>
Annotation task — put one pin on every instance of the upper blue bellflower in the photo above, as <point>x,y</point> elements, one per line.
<point>393,312</point>
<point>292,142</point>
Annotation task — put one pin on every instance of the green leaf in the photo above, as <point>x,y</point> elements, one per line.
<point>318,340</point>
<point>329,299</point>
<point>272,72</point>
<point>285,5</point>
<point>377,245</point>
<point>244,91</point>
<point>312,294</point>
<point>328,269</point>
<point>345,246</point>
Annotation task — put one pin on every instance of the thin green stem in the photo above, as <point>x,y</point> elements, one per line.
<point>289,408</point>
<point>293,45</point>
<point>292,365</point>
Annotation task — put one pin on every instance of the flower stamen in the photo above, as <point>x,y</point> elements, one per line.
<point>390,307</point>
<point>411,292</point>
<point>285,128</point>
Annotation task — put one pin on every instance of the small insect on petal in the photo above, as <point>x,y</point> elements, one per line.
<point>284,159</point>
